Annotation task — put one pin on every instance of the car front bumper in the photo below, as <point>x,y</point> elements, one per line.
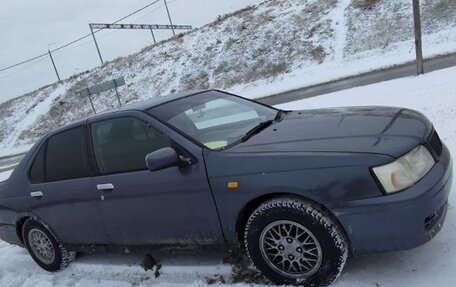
<point>400,221</point>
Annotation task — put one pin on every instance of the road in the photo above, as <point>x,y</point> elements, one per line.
<point>400,71</point>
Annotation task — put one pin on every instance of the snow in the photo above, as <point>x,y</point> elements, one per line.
<point>352,65</point>
<point>339,22</point>
<point>434,94</point>
<point>27,114</point>
<point>432,264</point>
<point>266,49</point>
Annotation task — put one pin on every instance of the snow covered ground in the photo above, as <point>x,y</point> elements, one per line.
<point>430,265</point>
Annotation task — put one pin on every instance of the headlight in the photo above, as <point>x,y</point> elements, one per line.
<point>405,171</point>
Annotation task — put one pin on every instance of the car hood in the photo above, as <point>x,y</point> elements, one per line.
<point>381,130</point>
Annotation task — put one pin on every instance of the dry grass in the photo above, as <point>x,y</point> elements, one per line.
<point>364,4</point>
<point>319,54</point>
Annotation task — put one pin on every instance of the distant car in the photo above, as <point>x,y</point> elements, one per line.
<point>298,190</point>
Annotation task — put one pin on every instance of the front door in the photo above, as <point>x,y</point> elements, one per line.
<point>140,207</point>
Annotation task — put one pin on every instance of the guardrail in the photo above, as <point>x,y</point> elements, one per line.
<point>12,155</point>
<point>10,162</point>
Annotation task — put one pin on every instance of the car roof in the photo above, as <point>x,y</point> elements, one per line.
<point>157,101</point>
<point>139,106</point>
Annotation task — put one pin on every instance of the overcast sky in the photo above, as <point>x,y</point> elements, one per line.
<point>28,27</point>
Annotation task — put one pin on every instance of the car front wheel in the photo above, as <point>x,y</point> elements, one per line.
<point>44,247</point>
<point>292,241</point>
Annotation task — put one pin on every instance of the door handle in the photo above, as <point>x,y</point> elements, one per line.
<point>36,194</point>
<point>105,187</point>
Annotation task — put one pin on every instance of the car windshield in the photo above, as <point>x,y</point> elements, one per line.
<point>214,119</point>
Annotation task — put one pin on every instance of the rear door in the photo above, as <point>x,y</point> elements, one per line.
<point>60,189</point>
<point>140,207</point>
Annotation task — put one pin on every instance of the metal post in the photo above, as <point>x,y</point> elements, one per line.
<point>96,44</point>
<point>91,103</point>
<point>153,35</point>
<point>53,64</point>
<point>169,16</point>
<point>418,42</point>
<point>117,93</point>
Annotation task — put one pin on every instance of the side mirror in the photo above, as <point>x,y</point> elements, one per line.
<point>162,158</point>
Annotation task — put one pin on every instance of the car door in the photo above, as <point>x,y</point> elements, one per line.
<point>59,191</point>
<point>140,207</point>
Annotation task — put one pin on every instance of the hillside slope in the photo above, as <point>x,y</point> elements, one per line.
<point>268,45</point>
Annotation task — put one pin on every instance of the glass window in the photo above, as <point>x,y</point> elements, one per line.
<point>214,119</point>
<point>218,112</point>
<point>37,169</point>
<point>121,144</point>
<point>65,155</point>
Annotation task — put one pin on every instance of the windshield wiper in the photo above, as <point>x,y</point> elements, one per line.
<point>258,128</point>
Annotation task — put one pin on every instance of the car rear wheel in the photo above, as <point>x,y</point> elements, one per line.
<point>44,247</point>
<point>292,241</point>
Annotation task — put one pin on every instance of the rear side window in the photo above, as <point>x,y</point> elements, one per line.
<point>121,145</point>
<point>65,156</point>
<point>37,169</point>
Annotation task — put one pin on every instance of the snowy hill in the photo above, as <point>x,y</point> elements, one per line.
<point>257,51</point>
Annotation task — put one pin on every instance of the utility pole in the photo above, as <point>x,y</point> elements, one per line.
<point>418,42</point>
<point>52,60</point>
<point>53,64</point>
<point>96,44</point>
<point>169,17</point>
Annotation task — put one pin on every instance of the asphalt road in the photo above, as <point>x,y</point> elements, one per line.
<point>369,78</point>
<point>400,71</point>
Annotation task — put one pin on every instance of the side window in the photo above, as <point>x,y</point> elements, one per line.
<point>65,156</point>
<point>121,145</point>
<point>37,169</point>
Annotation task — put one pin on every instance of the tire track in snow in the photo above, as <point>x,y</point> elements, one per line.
<point>33,115</point>
<point>339,24</point>
<point>17,269</point>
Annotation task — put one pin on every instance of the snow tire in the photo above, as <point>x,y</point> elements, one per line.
<point>334,246</point>
<point>62,257</point>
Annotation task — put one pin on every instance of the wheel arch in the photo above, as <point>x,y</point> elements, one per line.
<point>20,226</point>
<point>253,204</point>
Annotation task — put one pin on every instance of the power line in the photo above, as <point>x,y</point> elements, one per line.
<point>24,68</point>
<point>23,62</point>
<point>114,31</point>
<point>153,11</point>
<point>77,40</point>
<point>96,31</point>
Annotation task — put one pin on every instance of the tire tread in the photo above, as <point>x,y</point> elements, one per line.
<point>66,256</point>
<point>311,210</point>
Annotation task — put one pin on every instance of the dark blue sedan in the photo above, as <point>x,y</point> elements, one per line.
<point>296,190</point>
